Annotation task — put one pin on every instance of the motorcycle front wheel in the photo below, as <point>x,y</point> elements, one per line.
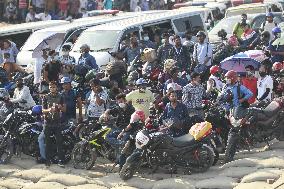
<point>83,156</point>
<point>6,150</point>
<point>204,159</point>
<point>127,171</point>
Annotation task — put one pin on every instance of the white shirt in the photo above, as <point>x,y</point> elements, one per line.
<point>94,110</point>
<point>23,94</point>
<point>37,69</point>
<point>133,5</point>
<point>43,17</point>
<point>263,84</point>
<point>200,52</point>
<point>218,84</point>
<point>30,17</point>
<point>268,27</point>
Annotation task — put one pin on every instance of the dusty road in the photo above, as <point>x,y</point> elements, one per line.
<point>258,169</point>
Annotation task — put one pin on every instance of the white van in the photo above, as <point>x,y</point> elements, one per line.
<point>19,33</point>
<point>108,37</point>
<point>60,34</point>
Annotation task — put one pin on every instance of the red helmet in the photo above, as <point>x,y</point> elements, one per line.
<point>232,75</point>
<point>214,70</point>
<point>277,66</point>
<point>137,115</point>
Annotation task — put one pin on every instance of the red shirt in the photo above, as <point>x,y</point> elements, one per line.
<point>251,84</point>
<point>63,5</point>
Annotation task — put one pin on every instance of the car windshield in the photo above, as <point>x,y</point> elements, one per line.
<point>227,24</point>
<point>99,40</point>
<point>35,39</point>
<point>247,10</point>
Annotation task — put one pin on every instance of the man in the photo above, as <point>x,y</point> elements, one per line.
<point>53,107</point>
<point>39,62</point>
<point>146,42</point>
<point>23,96</point>
<point>264,85</point>
<point>72,100</point>
<point>107,4</point>
<point>174,79</point>
<point>53,68</point>
<point>133,5</point>
<point>97,100</point>
<point>31,15</point>
<point>202,53</point>
<point>141,98</point>
<point>86,58</point>
<point>181,55</point>
<point>43,16</point>
<point>240,94</point>
<point>164,52</point>
<point>250,82</point>
<point>133,51</point>
<point>177,112</point>
<point>239,27</point>
<point>39,5</point>
<point>192,96</point>
<point>189,42</point>
<point>22,9</point>
<point>214,82</point>
<point>67,61</point>
<point>276,47</point>
<point>269,24</point>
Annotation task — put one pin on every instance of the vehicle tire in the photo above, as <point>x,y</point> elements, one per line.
<point>205,160</point>
<point>6,150</point>
<point>83,156</point>
<point>127,171</point>
<point>231,148</point>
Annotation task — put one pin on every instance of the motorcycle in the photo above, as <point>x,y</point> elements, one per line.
<point>259,125</point>
<point>161,150</point>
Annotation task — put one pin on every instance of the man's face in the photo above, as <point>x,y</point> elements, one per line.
<point>244,19</point>
<point>269,19</point>
<point>52,88</point>
<point>200,38</point>
<point>173,97</point>
<point>197,80</point>
<point>66,86</point>
<point>120,100</point>
<point>262,69</point>
<point>142,88</point>
<point>95,88</point>
<point>249,72</point>
<point>177,41</point>
<point>6,45</point>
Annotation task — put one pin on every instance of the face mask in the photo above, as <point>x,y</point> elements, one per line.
<point>244,21</point>
<point>229,81</point>
<point>146,38</point>
<point>122,105</point>
<point>249,73</point>
<point>163,41</point>
<point>262,74</point>
<point>20,85</point>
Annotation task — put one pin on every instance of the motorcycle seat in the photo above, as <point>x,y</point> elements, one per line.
<point>184,141</point>
<point>271,109</point>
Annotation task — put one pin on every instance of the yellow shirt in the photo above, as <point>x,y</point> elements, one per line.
<point>141,101</point>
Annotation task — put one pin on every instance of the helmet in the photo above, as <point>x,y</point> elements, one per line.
<point>277,66</point>
<point>138,115</point>
<point>201,33</point>
<point>276,30</point>
<point>169,63</point>
<point>232,75</point>
<point>269,14</point>
<point>141,81</point>
<point>214,70</point>
<point>149,55</point>
<point>174,86</point>
<point>233,41</point>
<point>265,34</point>
<point>37,110</point>
<point>65,80</point>
<point>4,93</point>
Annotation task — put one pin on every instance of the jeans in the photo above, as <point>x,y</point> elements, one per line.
<point>41,144</point>
<point>55,130</point>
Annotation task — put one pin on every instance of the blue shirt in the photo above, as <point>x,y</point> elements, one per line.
<point>88,60</point>
<point>180,112</point>
<point>245,93</point>
<point>276,48</point>
<point>70,99</point>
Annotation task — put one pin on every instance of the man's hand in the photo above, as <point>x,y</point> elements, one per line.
<point>120,135</point>
<point>106,117</point>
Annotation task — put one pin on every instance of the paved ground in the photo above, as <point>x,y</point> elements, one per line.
<point>258,169</point>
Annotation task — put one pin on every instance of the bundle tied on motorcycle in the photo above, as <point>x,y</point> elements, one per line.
<point>200,130</point>
<point>115,67</point>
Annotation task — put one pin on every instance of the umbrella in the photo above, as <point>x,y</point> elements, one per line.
<point>238,62</point>
<point>53,41</point>
<point>256,54</point>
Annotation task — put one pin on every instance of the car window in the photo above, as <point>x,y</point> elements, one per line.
<point>192,23</point>
<point>257,22</point>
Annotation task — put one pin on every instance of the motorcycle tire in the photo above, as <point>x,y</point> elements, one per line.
<point>6,150</point>
<point>231,148</point>
<point>205,161</point>
<point>83,156</point>
<point>127,171</point>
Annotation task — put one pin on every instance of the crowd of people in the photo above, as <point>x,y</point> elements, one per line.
<point>177,73</point>
<point>19,11</point>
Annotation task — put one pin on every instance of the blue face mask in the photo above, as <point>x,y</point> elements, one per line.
<point>146,38</point>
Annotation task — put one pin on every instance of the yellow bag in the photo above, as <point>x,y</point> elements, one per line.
<point>200,130</point>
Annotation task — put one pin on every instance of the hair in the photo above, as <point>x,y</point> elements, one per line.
<point>194,75</point>
<point>172,92</point>
<point>176,37</point>
<point>164,35</point>
<point>249,67</point>
<point>52,83</point>
<point>120,95</point>
<point>95,82</point>
<point>244,14</point>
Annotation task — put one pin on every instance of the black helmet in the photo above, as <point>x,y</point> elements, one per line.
<point>201,33</point>
<point>265,34</point>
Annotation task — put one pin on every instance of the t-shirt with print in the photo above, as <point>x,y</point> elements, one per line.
<point>48,102</point>
<point>262,85</point>
<point>95,110</point>
<point>141,101</point>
